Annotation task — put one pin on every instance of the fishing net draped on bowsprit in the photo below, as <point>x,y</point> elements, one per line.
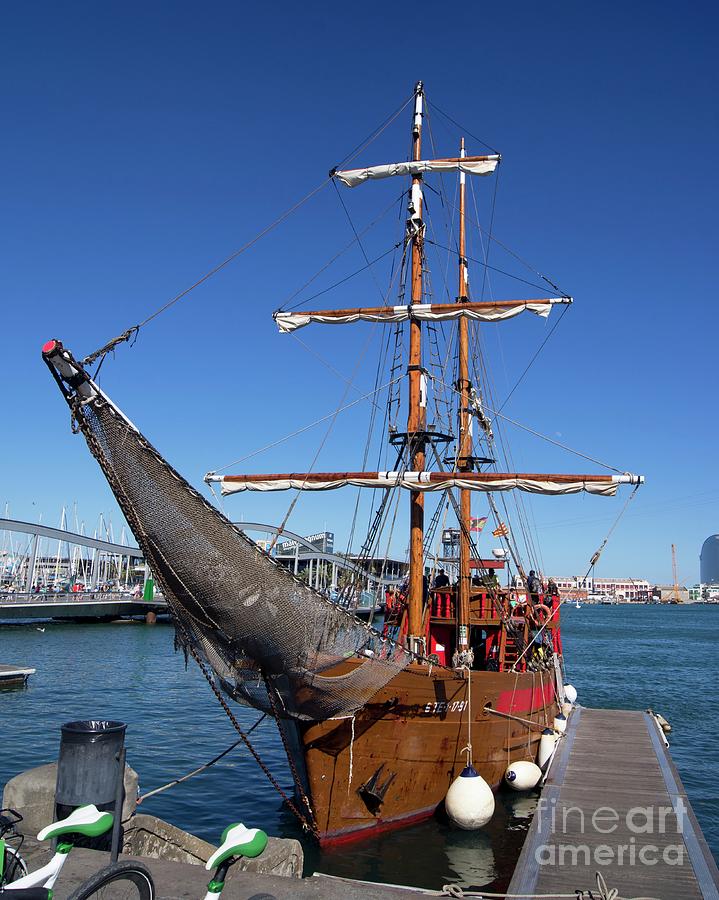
<point>243,613</point>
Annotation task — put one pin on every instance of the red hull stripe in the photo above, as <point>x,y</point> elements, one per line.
<point>526,699</point>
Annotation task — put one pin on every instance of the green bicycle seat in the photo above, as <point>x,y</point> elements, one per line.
<point>238,841</point>
<point>87,820</point>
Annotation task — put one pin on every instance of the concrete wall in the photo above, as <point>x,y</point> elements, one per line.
<point>32,794</point>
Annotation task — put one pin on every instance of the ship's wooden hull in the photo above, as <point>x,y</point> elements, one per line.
<point>392,763</point>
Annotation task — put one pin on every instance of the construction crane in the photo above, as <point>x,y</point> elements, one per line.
<point>676,595</point>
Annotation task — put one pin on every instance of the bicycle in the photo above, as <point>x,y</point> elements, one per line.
<point>128,880</point>
<point>12,865</point>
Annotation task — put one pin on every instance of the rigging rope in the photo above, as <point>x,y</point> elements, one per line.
<point>125,336</point>
<point>359,243</point>
<point>347,278</point>
<point>202,768</point>
<point>306,427</point>
<point>538,434</point>
<point>461,127</point>
<point>375,134</point>
<point>532,360</point>
<point>595,558</point>
<point>491,237</point>
<point>494,268</point>
<point>134,329</point>
<point>333,419</point>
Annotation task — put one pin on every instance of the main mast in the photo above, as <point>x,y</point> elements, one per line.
<point>416,419</point>
<point>464,453</point>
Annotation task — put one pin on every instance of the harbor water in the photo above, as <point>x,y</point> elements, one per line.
<point>630,657</point>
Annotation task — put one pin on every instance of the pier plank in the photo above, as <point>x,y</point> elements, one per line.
<point>14,675</point>
<point>613,803</point>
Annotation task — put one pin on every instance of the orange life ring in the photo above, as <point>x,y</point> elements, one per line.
<point>545,610</point>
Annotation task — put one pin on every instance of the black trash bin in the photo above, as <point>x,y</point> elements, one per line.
<point>88,769</point>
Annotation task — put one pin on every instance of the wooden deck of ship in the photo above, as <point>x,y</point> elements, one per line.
<point>614,803</point>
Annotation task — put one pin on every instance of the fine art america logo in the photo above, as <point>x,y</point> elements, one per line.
<point>641,836</point>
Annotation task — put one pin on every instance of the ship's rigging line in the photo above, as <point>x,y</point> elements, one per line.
<point>382,294</point>
<point>519,503</point>
<point>286,308</point>
<point>367,447</point>
<point>494,239</point>
<point>131,333</point>
<point>341,281</point>
<point>486,250</point>
<point>369,541</point>
<point>598,553</point>
<point>462,129</point>
<point>538,434</point>
<point>373,532</point>
<point>307,427</point>
<point>333,419</point>
<point>533,359</point>
<point>479,262</point>
<point>199,769</point>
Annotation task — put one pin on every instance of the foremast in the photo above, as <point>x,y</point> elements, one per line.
<point>464,461</point>
<point>417,401</point>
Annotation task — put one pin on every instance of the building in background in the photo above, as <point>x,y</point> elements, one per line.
<point>619,590</point>
<point>709,561</point>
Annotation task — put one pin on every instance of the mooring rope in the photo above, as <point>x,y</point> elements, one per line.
<point>202,768</point>
<point>602,892</point>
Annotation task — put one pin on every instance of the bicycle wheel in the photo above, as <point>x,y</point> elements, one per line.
<point>13,866</point>
<point>120,881</point>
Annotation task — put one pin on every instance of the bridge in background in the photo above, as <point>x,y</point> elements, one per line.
<point>81,606</point>
<point>323,570</point>
<point>39,532</point>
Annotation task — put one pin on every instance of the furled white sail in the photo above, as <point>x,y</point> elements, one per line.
<point>470,165</point>
<point>603,485</point>
<point>483,312</point>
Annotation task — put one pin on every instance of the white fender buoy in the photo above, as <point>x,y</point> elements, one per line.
<point>547,743</point>
<point>566,709</point>
<point>469,801</point>
<point>570,693</point>
<point>522,775</point>
<point>560,723</point>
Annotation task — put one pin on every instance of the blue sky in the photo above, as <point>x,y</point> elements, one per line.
<point>144,143</point>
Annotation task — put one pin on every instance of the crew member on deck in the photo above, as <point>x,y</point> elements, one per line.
<point>441,580</point>
<point>442,604</point>
<point>553,600</point>
<point>533,588</point>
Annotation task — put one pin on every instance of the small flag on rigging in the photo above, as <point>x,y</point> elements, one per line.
<point>477,524</point>
<point>501,531</point>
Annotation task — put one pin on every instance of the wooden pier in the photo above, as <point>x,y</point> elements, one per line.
<point>13,676</point>
<point>614,803</point>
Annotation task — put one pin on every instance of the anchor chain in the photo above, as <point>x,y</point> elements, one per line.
<point>293,769</point>
<point>307,825</point>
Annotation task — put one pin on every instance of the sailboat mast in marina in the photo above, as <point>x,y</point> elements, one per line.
<point>376,725</point>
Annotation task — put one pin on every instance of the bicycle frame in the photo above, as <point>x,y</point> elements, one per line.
<point>47,875</point>
<point>217,882</point>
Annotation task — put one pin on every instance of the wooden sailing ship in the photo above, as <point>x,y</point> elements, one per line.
<point>375,734</point>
